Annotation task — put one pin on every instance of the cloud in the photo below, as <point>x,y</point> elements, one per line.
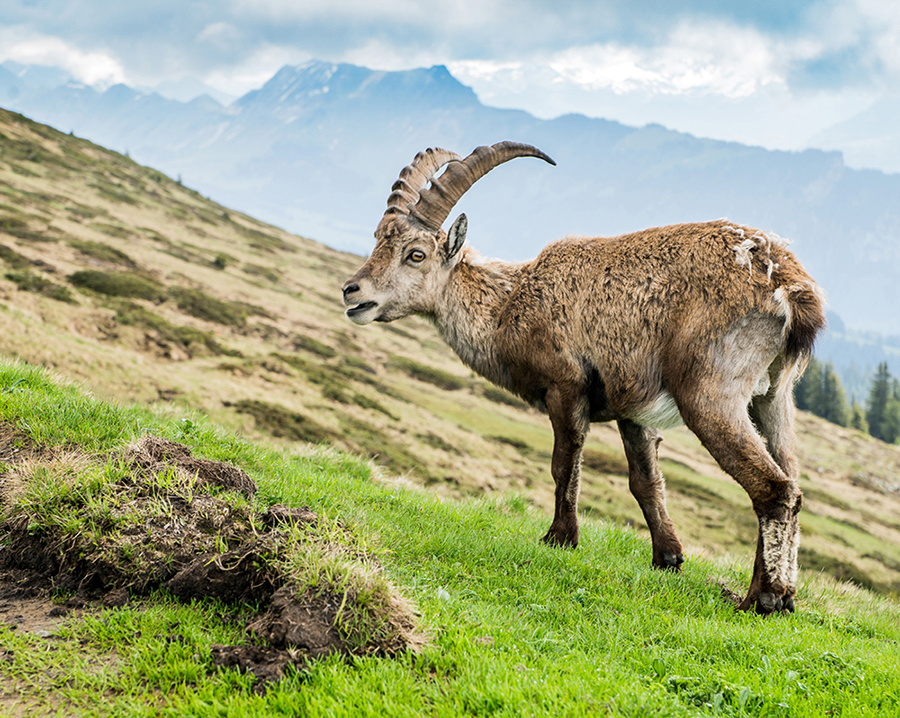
<point>91,68</point>
<point>724,47</point>
<point>717,59</point>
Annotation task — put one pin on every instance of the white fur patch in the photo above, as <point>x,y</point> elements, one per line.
<point>766,243</point>
<point>762,385</point>
<point>661,414</point>
<point>743,256</point>
<point>781,540</point>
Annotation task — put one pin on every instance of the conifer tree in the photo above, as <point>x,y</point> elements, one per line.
<point>858,417</point>
<point>808,389</point>
<point>832,399</point>
<point>877,405</point>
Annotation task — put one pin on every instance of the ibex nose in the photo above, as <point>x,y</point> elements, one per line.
<point>350,288</point>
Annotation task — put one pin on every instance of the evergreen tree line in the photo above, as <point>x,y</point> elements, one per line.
<point>820,392</point>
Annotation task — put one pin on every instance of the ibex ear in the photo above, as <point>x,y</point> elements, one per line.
<point>457,236</point>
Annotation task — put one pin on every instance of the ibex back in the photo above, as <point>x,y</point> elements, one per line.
<point>707,324</point>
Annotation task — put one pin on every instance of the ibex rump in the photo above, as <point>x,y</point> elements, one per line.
<point>709,324</point>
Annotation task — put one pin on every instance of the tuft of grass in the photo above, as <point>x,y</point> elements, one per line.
<point>20,228</point>
<point>501,396</point>
<point>604,461</point>
<point>283,423</point>
<point>188,338</point>
<point>113,230</point>
<point>29,282</point>
<point>367,403</point>
<point>13,259</point>
<point>119,284</point>
<point>257,270</point>
<point>312,345</point>
<point>260,240</point>
<point>102,252</point>
<point>428,374</point>
<point>201,305</point>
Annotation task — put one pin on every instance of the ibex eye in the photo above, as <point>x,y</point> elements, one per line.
<point>417,255</point>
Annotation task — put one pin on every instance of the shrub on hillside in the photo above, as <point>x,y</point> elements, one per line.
<point>428,374</point>
<point>119,284</point>
<point>28,282</point>
<point>201,305</point>
<point>103,252</point>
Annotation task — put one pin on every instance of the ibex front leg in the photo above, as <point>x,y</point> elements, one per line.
<point>647,485</point>
<point>567,408</point>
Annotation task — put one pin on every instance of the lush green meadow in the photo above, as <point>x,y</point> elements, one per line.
<point>514,627</point>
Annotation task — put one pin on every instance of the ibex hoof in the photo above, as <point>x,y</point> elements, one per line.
<point>767,603</point>
<point>566,540</point>
<point>669,561</point>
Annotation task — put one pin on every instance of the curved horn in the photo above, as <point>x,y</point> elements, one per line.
<point>414,177</point>
<point>435,203</point>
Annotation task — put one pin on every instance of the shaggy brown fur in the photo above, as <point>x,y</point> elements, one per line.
<point>709,324</point>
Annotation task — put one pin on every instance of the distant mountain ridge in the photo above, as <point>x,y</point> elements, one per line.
<point>316,149</point>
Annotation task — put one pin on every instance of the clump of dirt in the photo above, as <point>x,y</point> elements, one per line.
<point>15,445</point>
<point>158,516</point>
<point>153,454</point>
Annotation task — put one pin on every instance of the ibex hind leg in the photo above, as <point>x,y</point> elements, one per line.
<point>722,423</point>
<point>773,415</point>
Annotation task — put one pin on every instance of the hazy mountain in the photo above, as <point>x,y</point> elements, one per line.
<point>186,89</point>
<point>870,138</point>
<point>317,148</point>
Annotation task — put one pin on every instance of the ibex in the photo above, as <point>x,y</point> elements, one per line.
<point>706,324</point>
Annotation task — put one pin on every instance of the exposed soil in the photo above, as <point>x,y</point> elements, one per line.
<point>168,523</point>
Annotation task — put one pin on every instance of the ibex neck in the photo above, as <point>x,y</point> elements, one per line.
<point>468,312</point>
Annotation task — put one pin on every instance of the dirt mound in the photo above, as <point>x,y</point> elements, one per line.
<point>152,454</point>
<point>154,515</point>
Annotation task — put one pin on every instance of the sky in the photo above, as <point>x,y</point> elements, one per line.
<point>775,73</point>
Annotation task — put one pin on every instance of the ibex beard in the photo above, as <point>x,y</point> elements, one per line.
<point>707,324</point>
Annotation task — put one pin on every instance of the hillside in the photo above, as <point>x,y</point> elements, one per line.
<point>505,626</point>
<point>308,151</point>
<point>140,289</point>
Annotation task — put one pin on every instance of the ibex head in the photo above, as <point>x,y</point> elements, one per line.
<point>413,256</point>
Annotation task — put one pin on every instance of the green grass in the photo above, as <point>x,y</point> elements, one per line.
<point>517,628</point>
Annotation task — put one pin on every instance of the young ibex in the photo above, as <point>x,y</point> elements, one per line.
<point>709,324</point>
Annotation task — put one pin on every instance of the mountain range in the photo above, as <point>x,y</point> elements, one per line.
<point>316,149</point>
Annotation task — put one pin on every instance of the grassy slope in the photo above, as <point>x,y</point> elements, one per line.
<point>296,369</point>
<point>516,628</point>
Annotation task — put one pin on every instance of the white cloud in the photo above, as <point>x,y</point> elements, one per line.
<point>92,68</point>
<point>254,72</point>
<point>718,59</point>
<point>219,33</point>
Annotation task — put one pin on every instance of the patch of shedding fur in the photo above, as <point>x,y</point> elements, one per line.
<point>661,414</point>
<point>743,256</point>
<point>781,540</point>
<point>781,298</point>
<point>765,242</point>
